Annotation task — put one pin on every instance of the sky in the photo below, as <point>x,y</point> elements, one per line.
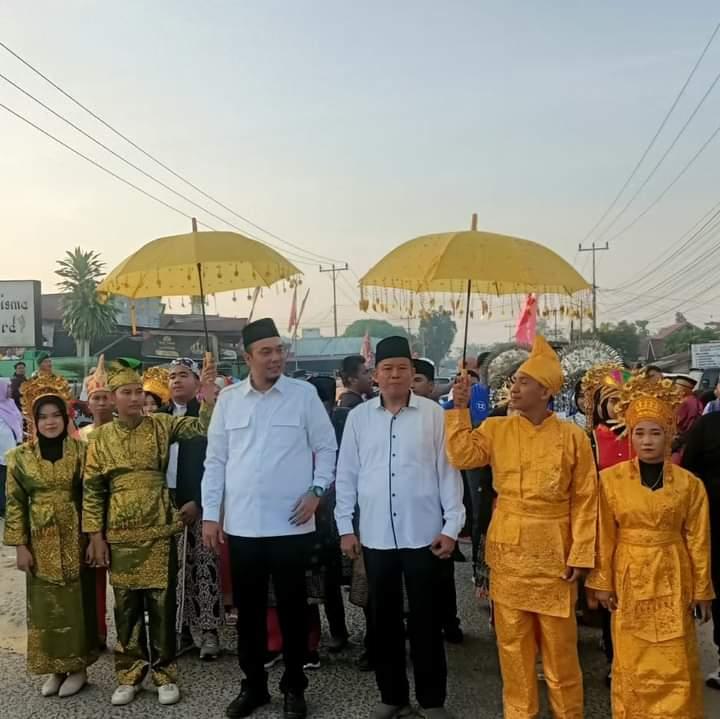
<point>348,128</point>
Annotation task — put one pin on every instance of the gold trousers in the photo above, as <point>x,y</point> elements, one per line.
<point>134,654</point>
<point>520,635</point>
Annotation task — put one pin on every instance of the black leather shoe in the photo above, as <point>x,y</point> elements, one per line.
<point>295,706</point>
<point>454,635</point>
<point>246,703</point>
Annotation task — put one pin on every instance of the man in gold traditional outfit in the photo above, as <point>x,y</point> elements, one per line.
<point>542,533</point>
<point>126,503</point>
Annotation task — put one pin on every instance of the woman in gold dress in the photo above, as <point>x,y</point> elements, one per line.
<point>44,496</point>
<point>653,564</point>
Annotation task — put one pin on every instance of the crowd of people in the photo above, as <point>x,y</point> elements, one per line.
<point>257,502</point>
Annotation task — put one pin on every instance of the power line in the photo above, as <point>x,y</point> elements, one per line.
<point>662,159</point>
<point>667,189</point>
<point>159,162</point>
<point>99,166</point>
<point>693,234</point>
<point>651,144</point>
<point>309,260</point>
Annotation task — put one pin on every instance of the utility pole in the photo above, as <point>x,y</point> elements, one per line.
<point>594,249</point>
<point>334,270</point>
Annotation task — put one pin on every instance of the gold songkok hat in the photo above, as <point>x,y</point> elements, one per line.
<point>642,400</point>
<point>44,385</point>
<point>543,366</point>
<point>607,380</point>
<point>122,372</point>
<point>156,380</point>
<point>98,380</point>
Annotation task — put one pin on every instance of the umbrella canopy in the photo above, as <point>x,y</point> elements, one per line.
<point>460,264</point>
<point>494,264</point>
<point>197,263</point>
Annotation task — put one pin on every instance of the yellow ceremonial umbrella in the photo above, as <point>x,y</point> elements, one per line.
<point>465,263</point>
<point>197,264</point>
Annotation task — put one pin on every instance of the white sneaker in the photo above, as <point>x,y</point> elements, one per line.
<point>124,694</point>
<point>713,680</point>
<point>168,694</point>
<point>52,685</point>
<point>73,684</point>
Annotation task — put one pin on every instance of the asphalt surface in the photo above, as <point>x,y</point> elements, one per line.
<point>337,690</point>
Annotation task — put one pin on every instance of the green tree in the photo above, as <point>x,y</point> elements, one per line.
<point>375,328</point>
<point>435,335</point>
<point>682,339</point>
<point>84,317</point>
<point>623,336</point>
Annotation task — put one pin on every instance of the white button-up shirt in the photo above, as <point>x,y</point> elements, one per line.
<point>265,450</point>
<point>395,469</point>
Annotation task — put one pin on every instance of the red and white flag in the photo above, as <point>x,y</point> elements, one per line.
<point>293,312</point>
<point>526,328</point>
<point>366,350</point>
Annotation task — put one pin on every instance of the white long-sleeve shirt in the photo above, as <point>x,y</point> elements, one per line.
<point>395,469</point>
<point>260,457</point>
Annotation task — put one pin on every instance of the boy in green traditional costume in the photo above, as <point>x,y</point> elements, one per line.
<point>44,497</point>
<point>127,505</point>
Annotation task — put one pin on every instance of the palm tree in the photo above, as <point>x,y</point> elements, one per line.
<point>84,317</point>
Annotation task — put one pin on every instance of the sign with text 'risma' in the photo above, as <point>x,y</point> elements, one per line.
<point>20,321</point>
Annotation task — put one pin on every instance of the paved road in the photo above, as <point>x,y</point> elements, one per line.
<point>337,690</point>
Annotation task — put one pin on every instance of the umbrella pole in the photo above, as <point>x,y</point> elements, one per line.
<point>473,227</point>
<point>467,321</point>
<point>202,306</point>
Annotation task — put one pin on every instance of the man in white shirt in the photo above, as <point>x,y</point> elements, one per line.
<point>271,456</point>
<point>392,463</point>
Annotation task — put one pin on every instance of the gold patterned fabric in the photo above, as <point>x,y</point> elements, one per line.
<point>132,659</point>
<point>126,494</point>
<point>523,634</point>
<point>546,512</point>
<point>654,554</point>
<point>43,513</point>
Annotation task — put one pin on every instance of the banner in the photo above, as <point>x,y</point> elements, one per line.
<point>20,320</point>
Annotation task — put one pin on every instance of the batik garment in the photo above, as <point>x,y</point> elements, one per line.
<point>43,513</point>
<point>201,606</point>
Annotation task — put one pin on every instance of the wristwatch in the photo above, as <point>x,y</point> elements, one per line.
<point>316,491</point>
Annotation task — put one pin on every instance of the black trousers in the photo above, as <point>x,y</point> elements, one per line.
<point>716,617</point>
<point>448,613</point>
<point>423,576</point>
<point>252,562</point>
<point>334,605</point>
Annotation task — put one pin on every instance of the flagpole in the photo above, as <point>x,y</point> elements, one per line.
<point>256,294</point>
<point>297,324</point>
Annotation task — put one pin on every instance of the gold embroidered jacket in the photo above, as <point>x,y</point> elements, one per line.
<point>125,490</point>
<point>546,512</point>
<point>43,509</point>
<point>653,549</point>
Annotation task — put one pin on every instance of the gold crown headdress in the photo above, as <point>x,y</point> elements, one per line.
<point>98,380</point>
<point>156,380</point>
<point>643,400</point>
<point>607,379</point>
<point>44,385</point>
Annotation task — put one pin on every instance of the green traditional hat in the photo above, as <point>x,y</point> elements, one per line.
<point>123,371</point>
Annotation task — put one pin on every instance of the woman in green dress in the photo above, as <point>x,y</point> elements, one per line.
<point>44,496</point>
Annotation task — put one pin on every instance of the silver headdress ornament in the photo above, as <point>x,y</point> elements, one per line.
<point>577,358</point>
<point>502,364</point>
